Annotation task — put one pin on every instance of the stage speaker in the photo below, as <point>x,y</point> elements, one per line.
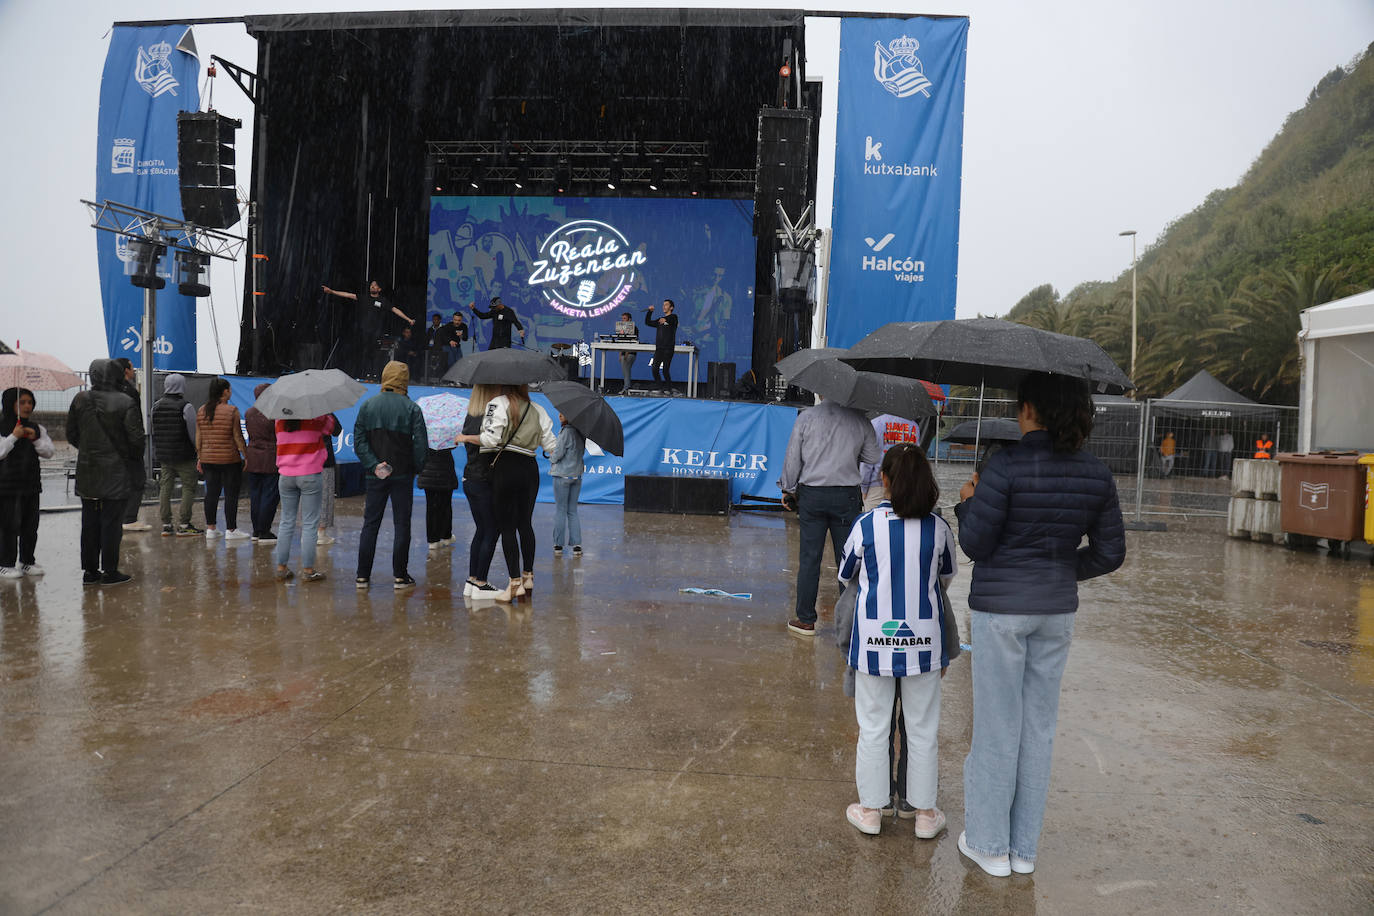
<point>205,166</point>
<point>720,380</point>
<point>783,167</point>
<point>677,495</point>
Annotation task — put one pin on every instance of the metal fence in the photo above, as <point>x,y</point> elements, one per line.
<point>1128,435</point>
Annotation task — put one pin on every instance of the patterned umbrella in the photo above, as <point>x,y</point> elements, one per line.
<point>444,414</point>
<point>36,371</point>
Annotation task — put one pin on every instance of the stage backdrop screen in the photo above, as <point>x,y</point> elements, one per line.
<point>569,266</point>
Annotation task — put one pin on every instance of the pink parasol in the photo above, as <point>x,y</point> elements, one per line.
<point>36,371</point>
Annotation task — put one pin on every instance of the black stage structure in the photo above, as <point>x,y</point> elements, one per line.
<point>352,111</point>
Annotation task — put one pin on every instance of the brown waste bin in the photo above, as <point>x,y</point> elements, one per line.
<point>1322,495</point>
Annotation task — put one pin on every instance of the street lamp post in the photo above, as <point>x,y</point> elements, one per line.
<point>1131,233</point>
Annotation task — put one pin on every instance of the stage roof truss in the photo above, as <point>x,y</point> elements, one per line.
<point>175,233</point>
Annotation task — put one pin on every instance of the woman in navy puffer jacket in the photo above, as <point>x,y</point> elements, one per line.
<point>1022,522</point>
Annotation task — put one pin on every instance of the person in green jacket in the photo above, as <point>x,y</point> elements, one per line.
<point>389,437</point>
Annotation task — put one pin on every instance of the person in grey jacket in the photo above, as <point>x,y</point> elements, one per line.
<point>106,427</point>
<point>174,446</point>
<point>565,467</point>
<point>1022,522</point>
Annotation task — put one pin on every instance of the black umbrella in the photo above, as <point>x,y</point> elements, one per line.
<point>993,430</point>
<point>505,367</point>
<point>820,371</point>
<point>588,413</point>
<point>984,352</point>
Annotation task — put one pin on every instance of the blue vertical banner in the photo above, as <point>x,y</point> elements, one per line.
<point>150,74</point>
<point>899,140</point>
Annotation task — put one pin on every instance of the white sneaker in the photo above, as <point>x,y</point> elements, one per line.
<point>31,569</point>
<point>435,545</point>
<point>1022,866</point>
<point>997,866</point>
<point>234,534</point>
<point>449,542</point>
<point>212,533</point>
<point>323,539</point>
<point>10,572</point>
<point>137,526</point>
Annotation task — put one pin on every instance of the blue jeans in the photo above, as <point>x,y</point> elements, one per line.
<point>565,521</point>
<point>485,530</point>
<point>1018,660</point>
<point>301,494</point>
<point>263,497</point>
<point>821,510</point>
<point>401,491</point>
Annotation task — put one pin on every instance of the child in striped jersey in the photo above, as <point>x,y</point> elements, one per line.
<point>898,555</point>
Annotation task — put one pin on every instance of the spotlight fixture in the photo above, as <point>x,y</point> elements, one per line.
<point>478,175</point>
<point>141,267</point>
<point>697,176</point>
<point>190,266</point>
<point>613,176</point>
<point>522,169</point>
<point>656,175</point>
<point>563,175</point>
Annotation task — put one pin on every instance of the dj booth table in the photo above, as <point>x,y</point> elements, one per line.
<point>622,346</point>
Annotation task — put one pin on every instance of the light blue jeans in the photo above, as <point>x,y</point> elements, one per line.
<point>299,495</point>
<point>1018,660</point>
<point>566,490</point>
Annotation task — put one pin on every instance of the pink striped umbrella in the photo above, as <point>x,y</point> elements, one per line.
<point>36,371</point>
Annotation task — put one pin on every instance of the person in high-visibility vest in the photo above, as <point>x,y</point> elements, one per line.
<point>1264,447</point>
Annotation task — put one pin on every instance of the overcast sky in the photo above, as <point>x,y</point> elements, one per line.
<point>1083,118</point>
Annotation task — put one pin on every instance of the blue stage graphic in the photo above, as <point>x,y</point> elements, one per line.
<point>898,160</point>
<point>673,437</point>
<point>569,266</point>
<point>147,80</point>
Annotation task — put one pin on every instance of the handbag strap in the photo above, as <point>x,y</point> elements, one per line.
<point>511,430</point>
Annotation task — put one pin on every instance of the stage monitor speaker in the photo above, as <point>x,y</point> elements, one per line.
<point>720,380</point>
<point>783,168</point>
<point>205,168</point>
<point>677,495</point>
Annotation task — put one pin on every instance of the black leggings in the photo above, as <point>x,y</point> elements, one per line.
<point>438,515</point>
<point>515,486</point>
<point>226,477</point>
<point>18,529</point>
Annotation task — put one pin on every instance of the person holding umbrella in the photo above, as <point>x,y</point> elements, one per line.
<point>1021,522</point>
<point>512,429</point>
<point>301,453</point>
<point>23,444</point>
<point>565,467</point>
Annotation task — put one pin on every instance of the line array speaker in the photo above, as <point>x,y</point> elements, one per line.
<point>783,167</point>
<point>205,167</point>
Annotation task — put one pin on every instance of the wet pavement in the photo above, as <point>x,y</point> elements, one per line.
<point>206,739</point>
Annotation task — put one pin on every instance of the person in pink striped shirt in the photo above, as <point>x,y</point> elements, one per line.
<point>301,452</point>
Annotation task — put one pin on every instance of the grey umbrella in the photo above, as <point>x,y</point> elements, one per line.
<point>588,413</point>
<point>507,366</point>
<point>821,371</point>
<point>311,393</point>
<point>993,430</point>
<point>983,352</point>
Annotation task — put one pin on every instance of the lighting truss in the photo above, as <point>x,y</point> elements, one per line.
<point>177,234</point>
<point>584,162</point>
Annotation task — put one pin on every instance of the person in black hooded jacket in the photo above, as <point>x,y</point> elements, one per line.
<point>105,426</point>
<point>138,472</point>
<point>23,443</point>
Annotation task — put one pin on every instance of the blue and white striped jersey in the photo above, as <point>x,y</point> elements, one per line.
<point>898,563</point>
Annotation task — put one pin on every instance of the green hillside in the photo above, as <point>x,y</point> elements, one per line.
<point>1222,287</point>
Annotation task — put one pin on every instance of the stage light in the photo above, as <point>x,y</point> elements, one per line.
<point>141,267</point>
<point>190,265</point>
<point>563,175</point>
<point>522,168</point>
<point>697,176</point>
<point>479,175</point>
<point>613,176</point>
<point>656,176</point>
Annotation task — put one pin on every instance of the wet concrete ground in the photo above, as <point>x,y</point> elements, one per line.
<point>204,739</point>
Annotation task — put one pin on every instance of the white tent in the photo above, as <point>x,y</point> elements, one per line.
<point>1336,403</point>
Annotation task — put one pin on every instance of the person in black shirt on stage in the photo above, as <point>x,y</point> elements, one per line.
<point>379,318</point>
<point>449,341</point>
<point>502,319</point>
<point>665,329</point>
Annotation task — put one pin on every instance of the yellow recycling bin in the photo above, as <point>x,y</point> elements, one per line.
<point>1368,462</point>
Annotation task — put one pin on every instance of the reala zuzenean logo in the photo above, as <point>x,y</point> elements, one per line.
<point>586,268</point>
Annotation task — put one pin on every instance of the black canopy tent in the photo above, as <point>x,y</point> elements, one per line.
<point>1200,412</point>
<point>346,103</point>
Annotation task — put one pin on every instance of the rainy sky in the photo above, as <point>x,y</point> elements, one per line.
<point>1083,118</point>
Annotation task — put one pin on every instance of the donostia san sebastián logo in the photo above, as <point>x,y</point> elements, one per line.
<point>585,268</point>
<point>122,156</point>
<point>897,68</point>
<point>153,70</point>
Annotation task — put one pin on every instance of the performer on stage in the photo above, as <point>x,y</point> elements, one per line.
<point>665,340</point>
<point>380,318</point>
<point>450,340</point>
<point>501,320</point>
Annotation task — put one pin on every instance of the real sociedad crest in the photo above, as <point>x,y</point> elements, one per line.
<point>153,70</point>
<point>585,268</point>
<point>897,68</point>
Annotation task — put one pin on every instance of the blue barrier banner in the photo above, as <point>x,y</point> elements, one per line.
<point>670,436</point>
<point>150,74</point>
<point>898,161</point>
<point>570,266</point>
